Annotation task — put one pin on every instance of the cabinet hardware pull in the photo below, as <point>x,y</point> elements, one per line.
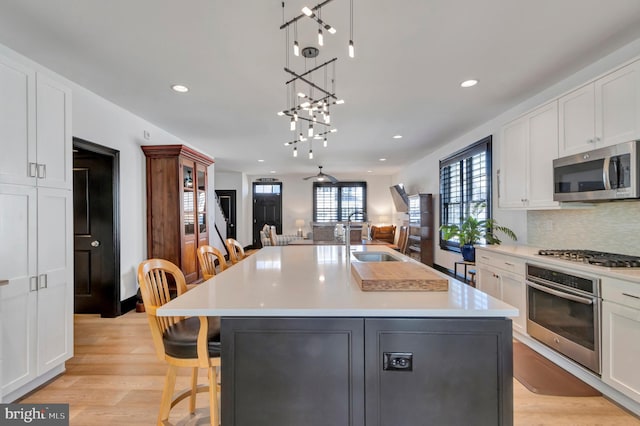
<point>498,176</point>
<point>33,170</point>
<point>33,283</point>
<point>42,281</point>
<point>42,171</point>
<point>631,295</point>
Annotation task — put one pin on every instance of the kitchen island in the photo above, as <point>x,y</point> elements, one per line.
<point>302,344</point>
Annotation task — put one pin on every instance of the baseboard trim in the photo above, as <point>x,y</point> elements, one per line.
<point>128,304</point>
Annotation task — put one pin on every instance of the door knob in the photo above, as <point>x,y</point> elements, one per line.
<point>95,243</point>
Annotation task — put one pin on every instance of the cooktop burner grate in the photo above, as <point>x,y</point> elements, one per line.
<point>598,258</point>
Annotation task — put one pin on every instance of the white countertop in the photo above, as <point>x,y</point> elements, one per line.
<point>531,254</point>
<point>316,281</point>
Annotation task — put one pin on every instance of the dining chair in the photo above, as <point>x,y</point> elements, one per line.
<point>236,252</point>
<point>403,239</point>
<point>207,256</point>
<point>182,342</point>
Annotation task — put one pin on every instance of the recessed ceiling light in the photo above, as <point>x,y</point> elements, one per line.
<point>369,171</point>
<point>397,136</point>
<point>383,159</point>
<point>468,83</point>
<point>272,171</point>
<point>260,161</point>
<point>180,88</point>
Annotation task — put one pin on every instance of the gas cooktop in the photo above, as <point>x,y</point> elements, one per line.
<point>597,258</point>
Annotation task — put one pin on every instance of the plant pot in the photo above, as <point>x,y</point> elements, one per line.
<point>468,253</point>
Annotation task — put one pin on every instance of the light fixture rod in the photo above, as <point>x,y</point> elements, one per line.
<point>302,15</point>
<point>298,77</point>
<point>310,71</point>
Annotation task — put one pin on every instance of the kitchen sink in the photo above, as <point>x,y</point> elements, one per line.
<point>374,256</point>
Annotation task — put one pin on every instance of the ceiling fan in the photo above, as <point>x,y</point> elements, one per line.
<point>321,177</point>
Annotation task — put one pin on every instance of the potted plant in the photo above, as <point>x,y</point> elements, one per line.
<point>472,230</point>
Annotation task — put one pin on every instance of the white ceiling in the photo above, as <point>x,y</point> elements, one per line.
<point>411,56</point>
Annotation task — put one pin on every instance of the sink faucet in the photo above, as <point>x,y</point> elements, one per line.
<point>347,237</point>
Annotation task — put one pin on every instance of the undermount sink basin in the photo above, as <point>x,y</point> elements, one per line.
<point>374,256</point>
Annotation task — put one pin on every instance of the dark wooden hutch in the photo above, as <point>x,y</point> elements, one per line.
<point>420,245</point>
<point>177,205</point>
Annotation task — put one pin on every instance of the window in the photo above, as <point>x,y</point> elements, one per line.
<point>334,202</point>
<point>261,188</point>
<point>465,182</point>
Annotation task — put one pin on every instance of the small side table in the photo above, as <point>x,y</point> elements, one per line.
<point>467,271</point>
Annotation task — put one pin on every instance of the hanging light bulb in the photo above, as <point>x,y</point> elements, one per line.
<point>330,29</point>
<point>307,11</point>
<point>310,154</point>
<point>352,52</point>
<point>292,125</point>
<point>327,118</point>
<point>325,142</point>
<point>295,151</point>
<point>320,37</point>
<point>310,131</point>
<point>296,48</point>
<point>295,115</point>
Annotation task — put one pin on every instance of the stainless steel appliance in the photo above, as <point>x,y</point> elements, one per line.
<point>609,173</point>
<point>563,312</point>
<point>597,258</point>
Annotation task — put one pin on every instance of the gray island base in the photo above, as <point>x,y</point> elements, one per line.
<point>302,345</point>
<point>367,371</point>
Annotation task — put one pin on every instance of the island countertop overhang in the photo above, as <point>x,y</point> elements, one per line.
<point>316,281</point>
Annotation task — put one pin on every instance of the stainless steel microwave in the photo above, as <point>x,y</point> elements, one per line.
<point>609,173</point>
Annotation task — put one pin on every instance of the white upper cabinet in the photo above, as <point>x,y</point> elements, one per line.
<point>35,128</point>
<point>528,147</point>
<point>17,123</point>
<point>602,113</point>
<point>54,145</point>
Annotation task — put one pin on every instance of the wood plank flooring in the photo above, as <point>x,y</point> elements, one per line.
<point>115,378</point>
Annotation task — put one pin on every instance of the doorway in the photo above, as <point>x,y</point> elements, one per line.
<point>227,198</point>
<point>267,208</point>
<point>96,229</point>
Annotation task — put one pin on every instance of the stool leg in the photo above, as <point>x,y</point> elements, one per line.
<point>194,386</point>
<point>167,394</point>
<point>213,396</point>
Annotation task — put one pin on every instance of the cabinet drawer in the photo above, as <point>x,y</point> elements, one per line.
<point>625,293</point>
<point>504,262</point>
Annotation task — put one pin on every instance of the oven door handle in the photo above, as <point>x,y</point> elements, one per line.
<point>561,294</point>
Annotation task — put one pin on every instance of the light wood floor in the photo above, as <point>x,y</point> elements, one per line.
<point>115,379</point>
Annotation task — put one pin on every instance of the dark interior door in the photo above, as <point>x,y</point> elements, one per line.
<point>267,208</point>
<point>94,255</point>
<point>227,199</point>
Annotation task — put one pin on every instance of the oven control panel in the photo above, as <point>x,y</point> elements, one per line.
<point>585,284</point>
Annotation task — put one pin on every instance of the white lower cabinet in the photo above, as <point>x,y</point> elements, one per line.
<point>621,336</point>
<point>503,277</point>
<point>37,304</point>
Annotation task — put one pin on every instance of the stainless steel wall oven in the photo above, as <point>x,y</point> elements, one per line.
<point>563,312</point>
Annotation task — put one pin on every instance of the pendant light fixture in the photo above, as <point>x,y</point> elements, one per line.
<point>312,95</point>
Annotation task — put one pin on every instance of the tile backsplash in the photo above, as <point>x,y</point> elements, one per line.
<point>611,227</point>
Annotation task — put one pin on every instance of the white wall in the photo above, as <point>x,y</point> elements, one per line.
<point>422,176</point>
<point>238,181</point>
<point>297,199</point>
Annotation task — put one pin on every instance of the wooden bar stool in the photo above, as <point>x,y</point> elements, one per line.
<point>182,342</point>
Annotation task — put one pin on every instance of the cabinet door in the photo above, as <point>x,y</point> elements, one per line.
<point>17,123</point>
<point>543,149</point>
<point>576,119</point>
<point>489,281</point>
<point>617,102</point>
<point>621,348</point>
<point>18,215</point>
<point>54,145</point>
<point>514,293</point>
<point>512,177</point>
<point>55,277</point>
<point>461,372</point>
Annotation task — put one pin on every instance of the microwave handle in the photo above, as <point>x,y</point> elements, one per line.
<point>605,173</point>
